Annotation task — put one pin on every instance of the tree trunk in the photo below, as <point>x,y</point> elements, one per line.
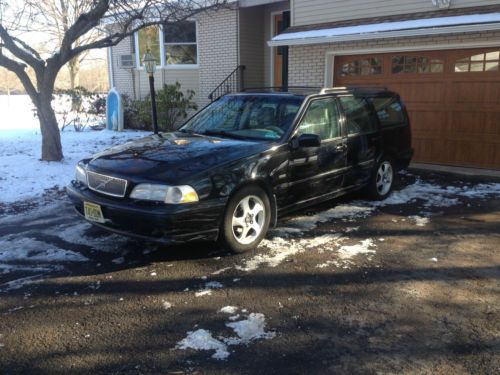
<point>51,137</point>
<point>74,70</point>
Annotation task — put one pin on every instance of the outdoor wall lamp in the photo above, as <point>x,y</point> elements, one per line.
<point>149,62</point>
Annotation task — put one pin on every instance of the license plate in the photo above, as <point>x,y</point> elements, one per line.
<point>93,212</point>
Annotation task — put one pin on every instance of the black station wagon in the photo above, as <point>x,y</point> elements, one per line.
<point>243,161</point>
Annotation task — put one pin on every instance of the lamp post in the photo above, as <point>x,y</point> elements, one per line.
<point>149,62</point>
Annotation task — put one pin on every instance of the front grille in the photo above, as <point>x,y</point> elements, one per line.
<point>115,187</point>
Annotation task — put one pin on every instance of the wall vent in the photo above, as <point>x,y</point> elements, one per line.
<point>126,61</point>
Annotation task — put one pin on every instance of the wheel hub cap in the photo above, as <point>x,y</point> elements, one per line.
<point>384,178</point>
<point>248,220</point>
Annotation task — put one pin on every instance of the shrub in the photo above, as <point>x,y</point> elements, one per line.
<point>172,106</point>
<point>79,107</point>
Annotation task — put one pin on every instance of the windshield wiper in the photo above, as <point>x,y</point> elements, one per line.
<point>223,133</point>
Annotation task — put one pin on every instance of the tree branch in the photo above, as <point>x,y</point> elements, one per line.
<point>19,70</point>
<point>22,54</point>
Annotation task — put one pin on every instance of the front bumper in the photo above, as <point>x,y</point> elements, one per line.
<point>150,221</point>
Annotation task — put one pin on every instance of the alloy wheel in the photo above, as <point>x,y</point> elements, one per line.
<point>385,176</point>
<point>248,219</point>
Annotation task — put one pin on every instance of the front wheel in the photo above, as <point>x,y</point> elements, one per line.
<point>382,181</point>
<point>246,219</point>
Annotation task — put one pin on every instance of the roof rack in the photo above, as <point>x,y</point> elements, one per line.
<point>328,90</point>
<point>288,89</point>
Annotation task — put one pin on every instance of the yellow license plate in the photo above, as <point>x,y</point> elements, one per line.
<point>93,212</point>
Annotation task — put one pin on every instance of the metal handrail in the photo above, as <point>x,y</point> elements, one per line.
<point>234,82</point>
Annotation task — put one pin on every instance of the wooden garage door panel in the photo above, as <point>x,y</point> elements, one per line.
<point>415,92</point>
<point>427,124</point>
<point>477,92</point>
<point>454,111</point>
<point>486,125</point>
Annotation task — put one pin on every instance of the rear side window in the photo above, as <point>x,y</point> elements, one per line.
<point>389,111</point>
<point>358,115</point>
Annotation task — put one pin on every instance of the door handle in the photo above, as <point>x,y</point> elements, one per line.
<point>341,148</point>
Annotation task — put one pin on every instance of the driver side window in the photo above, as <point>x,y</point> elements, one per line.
<point>322,119</point>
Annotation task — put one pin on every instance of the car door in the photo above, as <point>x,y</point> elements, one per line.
<point>318,171</point>
<point>363,139</point>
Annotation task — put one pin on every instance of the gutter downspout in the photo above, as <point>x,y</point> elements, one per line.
<point>111,77</point>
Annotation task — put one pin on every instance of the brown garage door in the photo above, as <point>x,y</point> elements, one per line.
<point>453,98</point>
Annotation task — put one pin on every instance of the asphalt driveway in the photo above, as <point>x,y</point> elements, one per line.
<point>409,286</point>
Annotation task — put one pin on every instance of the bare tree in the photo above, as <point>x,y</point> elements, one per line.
<point>112,20</point>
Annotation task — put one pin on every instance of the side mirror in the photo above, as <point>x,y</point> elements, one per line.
<point>306,140</point>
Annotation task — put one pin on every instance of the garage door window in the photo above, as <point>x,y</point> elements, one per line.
<point>358,115</point>
<point>482,62</point>
<point>416,64</point>
<point>362,67</point>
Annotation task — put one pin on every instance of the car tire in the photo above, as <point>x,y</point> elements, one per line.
<point>382,180</point>
<point>246,219</point>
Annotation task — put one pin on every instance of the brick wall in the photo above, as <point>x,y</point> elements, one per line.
<point>307,63</point>
<point>218,49</point>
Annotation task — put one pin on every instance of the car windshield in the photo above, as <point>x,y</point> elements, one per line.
<point>258,117</point>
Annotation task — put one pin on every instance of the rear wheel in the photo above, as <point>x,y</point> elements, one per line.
<point>246,219</point>
<point>382,181</point>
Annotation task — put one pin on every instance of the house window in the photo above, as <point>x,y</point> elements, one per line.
<point>416,64</point>
<point>180,43</point>
<point>483,62</point>
<point>149,39</point>
<point>363,67</point>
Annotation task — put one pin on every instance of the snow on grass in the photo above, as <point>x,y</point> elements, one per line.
<point>247,331</point>
<point>23,176</point>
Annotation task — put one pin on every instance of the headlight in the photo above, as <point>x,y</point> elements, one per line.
<point>165,193</point>
<point>81,174</point>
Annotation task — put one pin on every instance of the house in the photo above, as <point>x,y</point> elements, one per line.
<point>442,56</point>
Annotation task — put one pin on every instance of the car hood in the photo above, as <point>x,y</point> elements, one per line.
<point>173,157</point>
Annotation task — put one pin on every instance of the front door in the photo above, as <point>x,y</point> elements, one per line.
<point>318,171</point>
<point>280,54</point>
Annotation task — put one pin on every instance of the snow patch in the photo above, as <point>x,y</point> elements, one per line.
<point>229,310</point>
<point>420,221</point>
<point>364,247</point>
<point>202,293</point>
<point>247,331</point>
<point>203,340</point>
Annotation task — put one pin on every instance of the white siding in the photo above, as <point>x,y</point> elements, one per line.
<point>122,78</point>
<point>307,12</point>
